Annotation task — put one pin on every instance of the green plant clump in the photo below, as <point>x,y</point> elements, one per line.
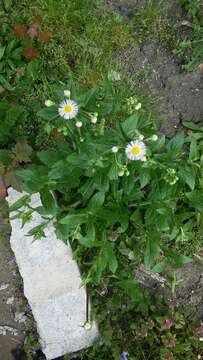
<point>118,191</point>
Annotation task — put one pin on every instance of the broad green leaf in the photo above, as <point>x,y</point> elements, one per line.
<point>194,153</point>
<point>33,70</point>
<point>192,126</point>
<point>160,267</point>
<point>144,177</point>
<point>152,252</point>
<point>130,125</point>
<point>48,201</point>
<point>96,201</point>
<point>113,172</point>
<point>49,113</point>
<point>188,175</point>
<point>176,143</point>
<point>196,199</point>
<point>48,157</point>
<point>74,219</point>
<point>177,260</point>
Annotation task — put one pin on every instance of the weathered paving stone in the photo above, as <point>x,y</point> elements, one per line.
<point>52,285</point>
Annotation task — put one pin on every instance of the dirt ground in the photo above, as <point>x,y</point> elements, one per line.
<point>154,70</point>
<point>12,303</point>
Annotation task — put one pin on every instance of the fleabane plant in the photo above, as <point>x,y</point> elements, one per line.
<point>115,187</point>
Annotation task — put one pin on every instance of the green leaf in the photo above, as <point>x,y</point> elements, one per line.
<point>144,177</point>
<point>97,200</point>
<point>20,203</point>
<point>48,157</point>
<point>192,126</point>
<point>188,175</point>
<point>130,125</point>
<point>88,96</point>
<point>109,255</point>
<point>113,172</point>
<point>33,70</point>
<point>74,220</point>
<point>160,266</point>
<point>152,252</point>
<point>89,240</point>
<point>196,199</point>
<point>49,113</point>
<point>194,153</point>
<point>48,202</point>
<point>177,260</point>
<point>2,50</point>
<point>176,143</point>
<point>7,4</point>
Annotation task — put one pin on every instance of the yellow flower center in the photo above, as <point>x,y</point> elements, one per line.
<point>68,108</point>
<point>135,150</point>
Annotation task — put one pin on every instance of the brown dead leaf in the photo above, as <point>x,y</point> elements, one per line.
<point>30,53</point>
<point>20,30</point>
<point>200,66</point>
<point>3,191</point>
<point>45,36</point>
<point>33,30</point>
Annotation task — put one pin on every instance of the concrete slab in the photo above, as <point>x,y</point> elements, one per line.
<point>52,285</point>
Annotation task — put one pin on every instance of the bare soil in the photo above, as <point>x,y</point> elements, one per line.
<point>154,70</point>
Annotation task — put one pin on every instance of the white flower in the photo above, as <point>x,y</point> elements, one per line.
<point>136,150</point>
<point>48,103</point>
<point>94,118</point>
<point>88,325</point>
<point>138,106</point>
<point>114,149</point>
<point>78,124</point>
<point>131,255</point>
<point>68,109</point>
<point>141,137</point>
<point>154,137</point>
<point>67,93</point>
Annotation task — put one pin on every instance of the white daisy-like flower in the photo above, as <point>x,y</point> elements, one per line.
<point>78,124</point>
<point>68,109</point>
<point>136,150</point>
<point>114,149</point>
<point>67,93</point>
<point>48,103</point>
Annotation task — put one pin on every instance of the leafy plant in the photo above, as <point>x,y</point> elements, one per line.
<point>10,58</point>
<point>111,202</point>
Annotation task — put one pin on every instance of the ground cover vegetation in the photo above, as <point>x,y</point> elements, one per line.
<point>116,188</point>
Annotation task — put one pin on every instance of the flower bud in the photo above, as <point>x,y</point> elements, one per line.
<point>48,103</point>
<point>78,124</point>
<point>114,149</point>
<point>67,93</point>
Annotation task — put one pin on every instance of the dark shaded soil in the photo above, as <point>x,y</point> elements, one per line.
<point>12,326</point>
<point>153,70</point>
